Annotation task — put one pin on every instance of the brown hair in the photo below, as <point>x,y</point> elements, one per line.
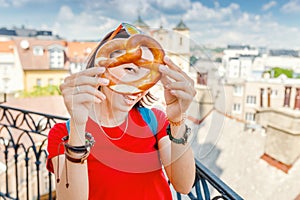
<point>148,99</point>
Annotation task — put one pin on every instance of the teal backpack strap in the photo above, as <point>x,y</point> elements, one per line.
<point>150,118</point>
<point>68,126</point>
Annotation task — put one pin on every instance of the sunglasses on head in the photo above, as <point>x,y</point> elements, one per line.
<point>130,30</point>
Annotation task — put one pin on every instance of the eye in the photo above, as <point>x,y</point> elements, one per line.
<point>130,69</point>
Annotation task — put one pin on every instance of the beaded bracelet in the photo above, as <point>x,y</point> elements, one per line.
<point>84,149</point>
<point>89,142</point>
<point>184,138</point>
<point>179,122</point>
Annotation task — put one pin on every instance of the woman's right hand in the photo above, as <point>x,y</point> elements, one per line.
<point>80,92</point>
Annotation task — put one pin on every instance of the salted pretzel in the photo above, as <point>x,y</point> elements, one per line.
<point>133,54</point>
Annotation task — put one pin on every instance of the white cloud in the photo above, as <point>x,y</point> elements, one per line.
<point>117,9</point>
<point>226,25</point>
<point>171,6</point>
<point>202,13</point>
<point>217,25</point>
<point>65,13</point>
<point>4,3</point>
<point>82,26</point>
<point>269,5</point>
<point>293,6</point>
<point>18,3</point>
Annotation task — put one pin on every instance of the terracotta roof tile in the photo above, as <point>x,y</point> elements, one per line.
<point>29,61</point>
<point>79,51</point>
<point>7,46</point>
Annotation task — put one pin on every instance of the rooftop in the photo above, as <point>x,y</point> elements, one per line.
<point>234,155</point>
<point>140,23</point>
<point>181,26</point>
<point>24,32</point>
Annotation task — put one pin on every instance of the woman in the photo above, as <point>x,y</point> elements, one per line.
<point>129,158</point>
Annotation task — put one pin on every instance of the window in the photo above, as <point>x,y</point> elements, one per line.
<point>39,82</point>
<point>50,81</point>
<point>249,116</point>
<point>236,107</point>
<point>238,90</point>
<point>180,41</point>
<point>251,100</point>
<point>56,55</point>
<point>38,51</point>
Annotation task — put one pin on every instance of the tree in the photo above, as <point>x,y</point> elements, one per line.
<point>278,71</point>
<point>38,91</point>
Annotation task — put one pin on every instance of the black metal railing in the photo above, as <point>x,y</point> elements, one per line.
<point>23,137</point>
<point>202,191</point>
<point>23,174</point>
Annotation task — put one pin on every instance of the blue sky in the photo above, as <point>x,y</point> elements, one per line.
<point>269,23</point>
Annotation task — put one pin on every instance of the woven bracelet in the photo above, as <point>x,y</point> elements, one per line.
<point>89,142</point>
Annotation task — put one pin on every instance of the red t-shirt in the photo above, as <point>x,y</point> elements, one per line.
<point>129,167</point>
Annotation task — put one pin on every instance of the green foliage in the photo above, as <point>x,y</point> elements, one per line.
<point>278,71</point>
<point>219,60</point>
<point>193,60</point>
<point>218,50</point>
<point>38,91</point>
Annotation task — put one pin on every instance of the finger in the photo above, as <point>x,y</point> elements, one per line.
<point>175,75</point>
<point>103,62</point>
<point>85,89</point>
<point>93,71</point>
<point>87,80</point>
<point>173,66</point>
<point>184,86</point>
<point>164,80</point>
<point>84,98</point>
<point>182,95</point>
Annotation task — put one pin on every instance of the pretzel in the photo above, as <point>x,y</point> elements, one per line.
<point>133,54</point>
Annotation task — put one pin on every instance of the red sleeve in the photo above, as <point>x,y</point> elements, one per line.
<point>162,123</point>
<point>55,146</point>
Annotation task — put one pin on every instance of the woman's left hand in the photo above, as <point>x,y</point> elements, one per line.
<point>179,90</point>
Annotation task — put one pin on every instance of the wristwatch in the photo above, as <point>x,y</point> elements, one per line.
<point>184,138</point>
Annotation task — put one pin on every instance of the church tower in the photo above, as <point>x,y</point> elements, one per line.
<point>181,46</point>
<point>140,24</point>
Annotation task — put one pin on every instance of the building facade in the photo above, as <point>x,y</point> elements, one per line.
<point>175,42</point>
<point>11,72</point>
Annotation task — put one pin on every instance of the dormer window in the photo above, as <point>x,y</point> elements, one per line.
<point>38,51</point>
<point>56,56</point>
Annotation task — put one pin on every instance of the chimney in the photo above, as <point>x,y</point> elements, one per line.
<point>297,99</point>
<point>269,97</point>
<point>261,97</point>
<point>287,96</point>
<point>202,78</point>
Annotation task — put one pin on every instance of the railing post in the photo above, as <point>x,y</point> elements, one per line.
<point>297,99</point>
<point>287,96</point>
<point>269,97</point>
<point>261,97</point>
